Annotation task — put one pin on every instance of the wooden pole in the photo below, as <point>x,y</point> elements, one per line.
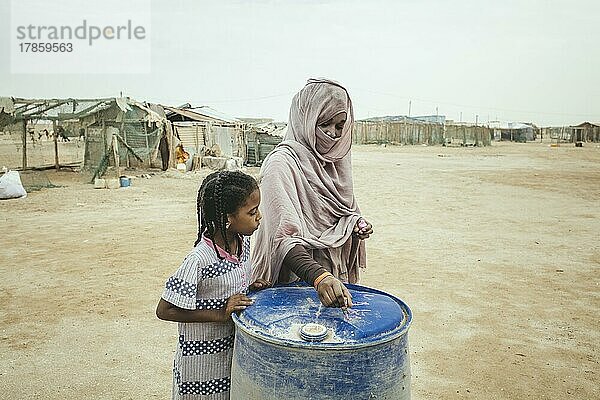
<point>115,149</point>
<point>124,135</point>
<point>24,136</point>
<point>170,142</point>
<point>147,145</point>
<point>257,149</point>
<point>56,164</point>
<point>85,148</point>
<point>104,138</point>
<point>128,147</point>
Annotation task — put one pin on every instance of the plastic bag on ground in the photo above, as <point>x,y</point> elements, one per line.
<point>11,186</point>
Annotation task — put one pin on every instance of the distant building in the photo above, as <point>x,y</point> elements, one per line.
<point>261,139</point>
<point>513,131</point>
<point>201,129</point>
<point>586,132</point>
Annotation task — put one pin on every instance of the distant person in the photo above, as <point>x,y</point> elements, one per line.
<point>165,155</point>
<point>211,284</point>
<point>181,155</point>
<point>312,229</point>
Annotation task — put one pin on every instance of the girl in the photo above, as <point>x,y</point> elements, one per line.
<point>210,284</point>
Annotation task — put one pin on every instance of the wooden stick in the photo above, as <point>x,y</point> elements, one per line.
<point>56,164</point>
<point>147,147</point>
<point>128,147</point>
<point>24,136</point>
<point>21,100</point>
<point>124,133</point>
<point>115,149</point>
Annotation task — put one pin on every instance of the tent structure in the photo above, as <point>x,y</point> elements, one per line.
<point>513,131</point>
<point>112,129</point>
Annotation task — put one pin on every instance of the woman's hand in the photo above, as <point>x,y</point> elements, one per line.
<point>363,228</point>
<point>333,293</point>
<point>236,303</point>
<point>260,284</point>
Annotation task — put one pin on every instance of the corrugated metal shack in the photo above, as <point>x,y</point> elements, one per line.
<point>584,132</point>
<point>201,129</point>
<point>261,139</point>
<point>136,126</point>
<point>513,131</point>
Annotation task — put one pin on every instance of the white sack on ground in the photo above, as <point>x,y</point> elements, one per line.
<point>11,186</point>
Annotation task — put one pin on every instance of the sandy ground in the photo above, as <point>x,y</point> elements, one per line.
<point>495,249</point>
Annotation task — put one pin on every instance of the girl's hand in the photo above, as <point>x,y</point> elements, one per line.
<point>236,303</point>
<point>260,284</point>
<point>363,228</point>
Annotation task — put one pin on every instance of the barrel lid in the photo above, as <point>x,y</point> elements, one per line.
<point>293,314</point>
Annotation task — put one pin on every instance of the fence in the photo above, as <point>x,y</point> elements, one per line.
<point>26,145</point>
<point>403,132</point>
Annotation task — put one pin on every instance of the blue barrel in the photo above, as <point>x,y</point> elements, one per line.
<point>288,346</point>
<point>125,181</point>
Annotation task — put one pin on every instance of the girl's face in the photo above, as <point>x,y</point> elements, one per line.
<point>247,218</point>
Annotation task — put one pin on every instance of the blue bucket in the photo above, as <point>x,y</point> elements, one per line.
<point>125,181</point>
<point>282,352</point>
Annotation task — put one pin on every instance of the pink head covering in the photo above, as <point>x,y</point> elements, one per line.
<point>317,103</point>
<point>306,186</point>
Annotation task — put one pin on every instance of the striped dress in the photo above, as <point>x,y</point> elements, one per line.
<point>202,366</point>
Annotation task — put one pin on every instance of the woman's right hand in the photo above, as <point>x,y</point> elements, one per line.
<point>363,228</point>
<point>333,293</point>
<point>236,303</point>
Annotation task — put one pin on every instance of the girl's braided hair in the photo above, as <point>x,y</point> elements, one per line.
<point>221,193</point>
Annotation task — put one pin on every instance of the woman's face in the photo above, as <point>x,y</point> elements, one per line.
<point>333,127</point>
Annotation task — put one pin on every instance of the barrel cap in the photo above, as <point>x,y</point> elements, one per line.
<point>313,332</point>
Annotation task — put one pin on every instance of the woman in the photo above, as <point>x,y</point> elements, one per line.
<point>311,227</point>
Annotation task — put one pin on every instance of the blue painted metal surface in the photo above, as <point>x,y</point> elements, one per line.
<point>365,355</point>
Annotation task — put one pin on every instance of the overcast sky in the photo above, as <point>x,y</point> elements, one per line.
<point>527,60</point>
